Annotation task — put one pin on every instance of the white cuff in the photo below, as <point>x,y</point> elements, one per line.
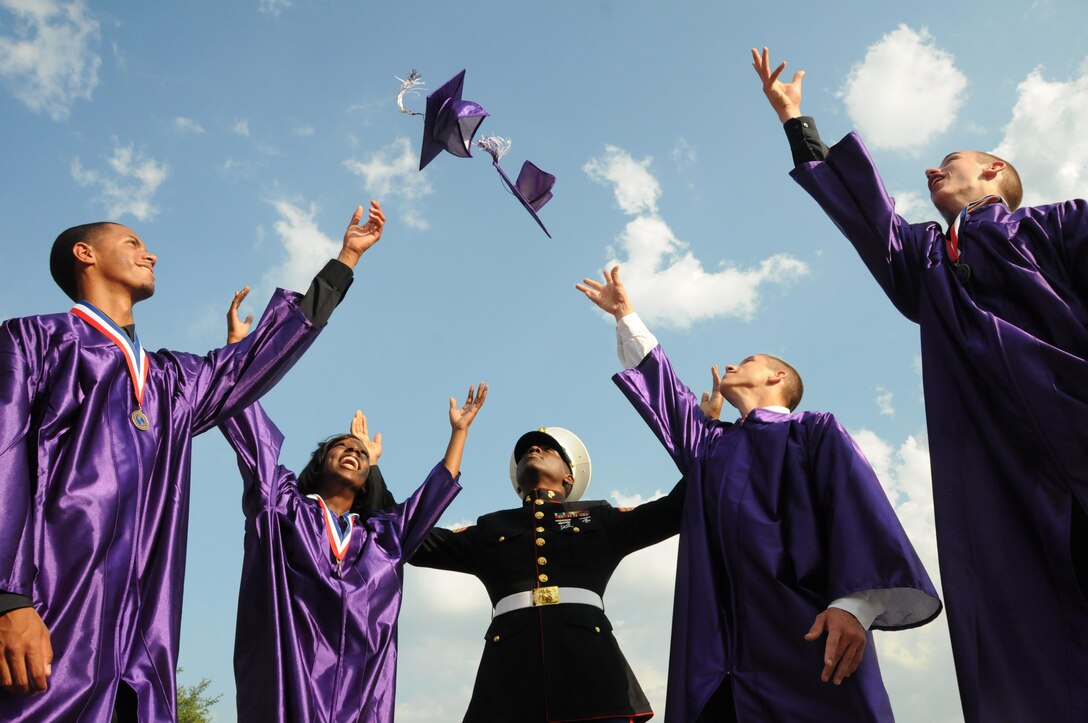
<point>865,606</point>
<point>633,341</point>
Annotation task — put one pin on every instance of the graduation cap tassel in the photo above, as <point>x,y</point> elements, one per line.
<point>408,85</point>
<point>496,146</point>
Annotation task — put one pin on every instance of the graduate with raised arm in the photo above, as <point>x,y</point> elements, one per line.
<point>790,552</point>
<point>322,575</point>
<point>95,438</point>
<point>1000,295</point>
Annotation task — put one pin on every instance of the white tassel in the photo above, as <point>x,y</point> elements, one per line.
<point>409,85</point>
<point>497,146</point>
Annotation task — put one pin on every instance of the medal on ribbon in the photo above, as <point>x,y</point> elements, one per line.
<point>952,242</point>
<point>338,539</point>
<point>135,356</point>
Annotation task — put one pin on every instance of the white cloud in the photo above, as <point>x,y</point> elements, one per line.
<point>671,286</point>
<point>683,153</point>
<point>620,499</point>
<point>274,7</point>
<point>884,402</point>
<point>913,206</point>
<point>307,249</point>
<point>49,62</point>
<point>187,125</point>
<point>635,188</point>
<point>392,173</point>
<point>129,184</point>
<point>304,131</point>
<point>241,128</point>
<point>905,92</point>
<point>1047,138</point>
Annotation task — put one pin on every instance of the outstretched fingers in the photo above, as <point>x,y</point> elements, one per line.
<point>358,425</point>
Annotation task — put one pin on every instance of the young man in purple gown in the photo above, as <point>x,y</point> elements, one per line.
<point>786,536</point>
<point>95,437</point>
<point>1001,302</point>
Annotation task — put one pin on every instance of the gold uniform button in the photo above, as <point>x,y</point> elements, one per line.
<point>577,529</point>
<point>540,529</point>
<point>596,629</point>
<point>502,538</point>
<point>540,542</point>
<point>539,515</point>
<point>497,638</point>
<point>538,502</point>
<point>542,561</point>
<point>542,577</point>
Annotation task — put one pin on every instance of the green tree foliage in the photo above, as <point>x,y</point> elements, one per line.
<point>194,703</point>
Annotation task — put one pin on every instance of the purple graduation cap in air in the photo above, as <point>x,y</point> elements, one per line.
<point>533,187</point>
<point>449,123</point>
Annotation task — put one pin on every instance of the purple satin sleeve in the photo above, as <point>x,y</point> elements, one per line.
<point>867,547</point>
<point>17,375</point>
<point>851,193</point>
<point>230,378</point>
<point>669,408</point>
<point>420,512</point>
<point>257,441</point>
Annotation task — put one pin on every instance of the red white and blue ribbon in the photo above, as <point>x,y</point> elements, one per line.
<point>134,353</point>
<point>338,539</point>
<point>952,242</point>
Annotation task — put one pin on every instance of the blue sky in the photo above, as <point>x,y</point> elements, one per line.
<point>237,138</point>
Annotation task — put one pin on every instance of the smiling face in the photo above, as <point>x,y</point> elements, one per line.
<point>346,463</point>
<point>115,260</point>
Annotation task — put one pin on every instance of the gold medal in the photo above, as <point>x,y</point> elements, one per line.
<point>140,420</point>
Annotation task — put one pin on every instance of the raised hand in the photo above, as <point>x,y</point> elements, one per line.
<point>236,328</point>
<point>845,645</point>
<point>461,418</point>
<point>711,404</point>
<point>785,98</point>
<point>357,239</point>
<point>611,296</point>
<point>359,431</point>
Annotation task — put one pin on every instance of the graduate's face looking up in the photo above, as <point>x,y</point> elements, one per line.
<point>115,260</point>
<point>543,467</point>
<point>346,462</point>
<point>755,380</point>
<point>961,178</point>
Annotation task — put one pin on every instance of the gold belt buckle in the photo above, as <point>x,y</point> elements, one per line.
<point>545,595</point>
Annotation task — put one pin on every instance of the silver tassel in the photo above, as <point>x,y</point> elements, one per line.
<point>497,146</point>
<point>408,85</point>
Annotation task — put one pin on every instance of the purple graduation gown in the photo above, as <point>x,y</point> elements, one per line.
<point>317,640</point>
<point>1006,393</point>
<point>94,512</point>
<point>783,515</point>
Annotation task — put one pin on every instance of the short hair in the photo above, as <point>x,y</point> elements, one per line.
<point>374,497</point>
<point>1008,180</point>
<point>62,264</point>
<point>793,387</point>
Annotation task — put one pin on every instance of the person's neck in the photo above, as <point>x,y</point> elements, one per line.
<point>546,485</point>
<point>745,403</point>
<point>117,307</point>
<point>339,502</point>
